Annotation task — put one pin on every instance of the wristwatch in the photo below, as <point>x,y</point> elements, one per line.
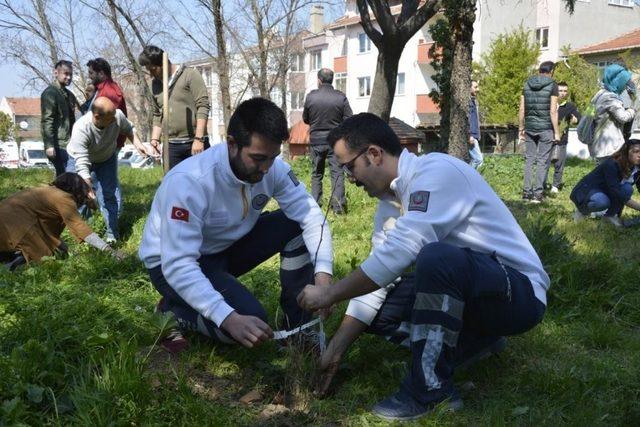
<point>197,138</point>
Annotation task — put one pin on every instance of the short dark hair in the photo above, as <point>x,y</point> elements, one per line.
<point>563,84</point>
<point>364,129</point>
<point>100,64</point>
<point>63,63</point>
<point>325,75</point>
<point>547,67</point>
<point>151,55</point>
<point>258,115</point>
<point>73,184</point>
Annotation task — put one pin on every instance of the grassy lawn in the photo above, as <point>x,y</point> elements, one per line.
<point>77,335</point>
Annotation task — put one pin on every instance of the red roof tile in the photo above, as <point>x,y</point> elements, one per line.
<point>626,41</point>
<point>25,106</point>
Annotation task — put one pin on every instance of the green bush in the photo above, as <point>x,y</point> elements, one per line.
<point>581,77</point>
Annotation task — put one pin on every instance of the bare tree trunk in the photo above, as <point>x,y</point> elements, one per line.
<point>461,80</point>
<point>222,61</point>
<point>384,83</point>
<point>46,29</point>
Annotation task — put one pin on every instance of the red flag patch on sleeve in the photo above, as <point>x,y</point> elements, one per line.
<point>180,214</point>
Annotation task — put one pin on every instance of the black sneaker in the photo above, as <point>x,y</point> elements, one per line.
<point>537,199</point>
<point>527,196</point>
<point>401,406</point>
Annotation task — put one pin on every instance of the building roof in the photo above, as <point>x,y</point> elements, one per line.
<point>626,41</point>
<point>24,106</point>
<point>405,132</point>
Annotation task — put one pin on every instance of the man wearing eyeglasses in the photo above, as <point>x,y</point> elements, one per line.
<point>476,277</point>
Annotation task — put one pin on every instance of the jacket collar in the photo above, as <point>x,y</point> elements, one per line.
<point>399,184</point>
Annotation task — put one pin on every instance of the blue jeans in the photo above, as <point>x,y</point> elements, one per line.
<point>273,233</point>
<point>598,201</point>
<point>105,181</point>
<point>60,161</point>
<point>476,155</point>
<point>458,302</point>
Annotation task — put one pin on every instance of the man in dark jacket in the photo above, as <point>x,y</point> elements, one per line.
<point>57,107</point>
<point>324,109</point>
<point>538,128</point>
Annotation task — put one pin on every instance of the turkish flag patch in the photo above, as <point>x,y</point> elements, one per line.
<point>180,214</point>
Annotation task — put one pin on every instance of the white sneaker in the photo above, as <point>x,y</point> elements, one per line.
<point>554,190</point>
<point>598,214</point>
<point>613,220</point>
<point>578,216</point>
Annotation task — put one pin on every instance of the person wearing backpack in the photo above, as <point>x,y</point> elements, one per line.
<point>610,113</point>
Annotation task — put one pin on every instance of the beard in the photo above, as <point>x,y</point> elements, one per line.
<point>242,172</point>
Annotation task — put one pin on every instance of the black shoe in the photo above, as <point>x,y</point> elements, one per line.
<point>401,406</point>
<point>527,196</point>
<point>537,199</point>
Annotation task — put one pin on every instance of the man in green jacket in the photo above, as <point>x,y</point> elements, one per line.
<point>57,105</point>
<point>188,104</point>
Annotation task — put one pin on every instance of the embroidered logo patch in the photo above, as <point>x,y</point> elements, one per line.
<point>259,201</point>
<point>180,214</point>
<point>419,201</point>
<point>293,178</point>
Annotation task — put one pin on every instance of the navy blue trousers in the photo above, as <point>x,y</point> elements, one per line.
<point>273,233</point>
<point>457,302</point>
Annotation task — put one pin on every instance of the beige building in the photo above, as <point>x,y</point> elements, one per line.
<point>25,113</point>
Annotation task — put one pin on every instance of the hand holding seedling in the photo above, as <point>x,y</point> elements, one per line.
<point>249,331</point>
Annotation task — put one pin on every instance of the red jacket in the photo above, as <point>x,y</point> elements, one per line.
<point>112,90</point>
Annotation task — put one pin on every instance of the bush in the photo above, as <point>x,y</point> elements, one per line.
<point>581,77</point>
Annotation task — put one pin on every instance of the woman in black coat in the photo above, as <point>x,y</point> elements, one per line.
<point>610,185</point>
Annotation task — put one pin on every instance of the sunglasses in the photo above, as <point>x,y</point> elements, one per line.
<point>348,166</point>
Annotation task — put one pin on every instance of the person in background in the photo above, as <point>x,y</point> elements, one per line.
<point>32,220</point>
<point>610,185</point>
<point>89,92</point>
<point>188,105</point>
<point>475,153</point>
<point>611,114</point>
<point>538,128</point>
<point>57,105</point>
<point>568,115</point>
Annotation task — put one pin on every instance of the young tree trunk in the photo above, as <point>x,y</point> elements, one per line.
<point>384,82</point>
<point>222,61</point>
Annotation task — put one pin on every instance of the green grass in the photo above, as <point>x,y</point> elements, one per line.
<point>75,334</point>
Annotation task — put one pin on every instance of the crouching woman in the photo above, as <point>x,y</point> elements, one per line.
<point>610,185</point>
<point>32,221</point>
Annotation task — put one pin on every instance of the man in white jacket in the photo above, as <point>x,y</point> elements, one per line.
<point>476,277</point>
<point>206,228</point>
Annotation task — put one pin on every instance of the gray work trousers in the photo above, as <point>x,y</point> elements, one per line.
<point>320,153</point>
<point>558,166</point>
<point>538,147</point>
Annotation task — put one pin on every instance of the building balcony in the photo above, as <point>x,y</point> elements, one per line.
<point>425,105</point>
<point>423,52</point>
<point>340,64</point>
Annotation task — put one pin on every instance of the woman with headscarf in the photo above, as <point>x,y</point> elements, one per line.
<point>610,185</point>
<point>610,112</point>
<point>32,220</point>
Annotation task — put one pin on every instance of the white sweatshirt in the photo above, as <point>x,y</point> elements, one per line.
<point>453,204</point>
<point>201,208</point>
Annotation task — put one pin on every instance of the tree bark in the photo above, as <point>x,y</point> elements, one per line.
<point>461,80</point>
<point>384,83</point>
<point>222,61</point>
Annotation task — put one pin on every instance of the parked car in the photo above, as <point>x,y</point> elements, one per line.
<point>136,161</point>
<point>32,155</point>
<point>9,155</point>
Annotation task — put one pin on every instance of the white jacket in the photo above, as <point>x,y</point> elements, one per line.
<point>201,208</point>
<point>461,210</point>
<point>611,117</point>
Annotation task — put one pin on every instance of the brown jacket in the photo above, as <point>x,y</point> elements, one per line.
<point>32,220</point>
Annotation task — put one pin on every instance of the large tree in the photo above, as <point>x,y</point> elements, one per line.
<point>394,33</point>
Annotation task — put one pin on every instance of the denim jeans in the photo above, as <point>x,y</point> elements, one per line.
<point>476,155</point>
<point>60,161</point>
<point>598,201</point>
<point>105,181</point>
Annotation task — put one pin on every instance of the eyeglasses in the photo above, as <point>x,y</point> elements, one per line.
<point>348,166</point>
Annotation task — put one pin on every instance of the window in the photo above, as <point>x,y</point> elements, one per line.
<point>207,76</point>
<point>542,36</point>
<point>297,62</point>
<point>400,84</point>
<point>625,3</point>
<point>345,47</point>
<point>364,43</point>
<point>340,80</point>
<point>297,100</point>
<point>316,60</point>
<point>276,96</point>
<point>364,86</point>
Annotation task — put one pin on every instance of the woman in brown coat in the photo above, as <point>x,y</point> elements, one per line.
<point>32,220</point>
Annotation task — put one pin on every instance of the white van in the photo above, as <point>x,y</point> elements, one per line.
<point>9,156</point>
<point>32,155</point>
